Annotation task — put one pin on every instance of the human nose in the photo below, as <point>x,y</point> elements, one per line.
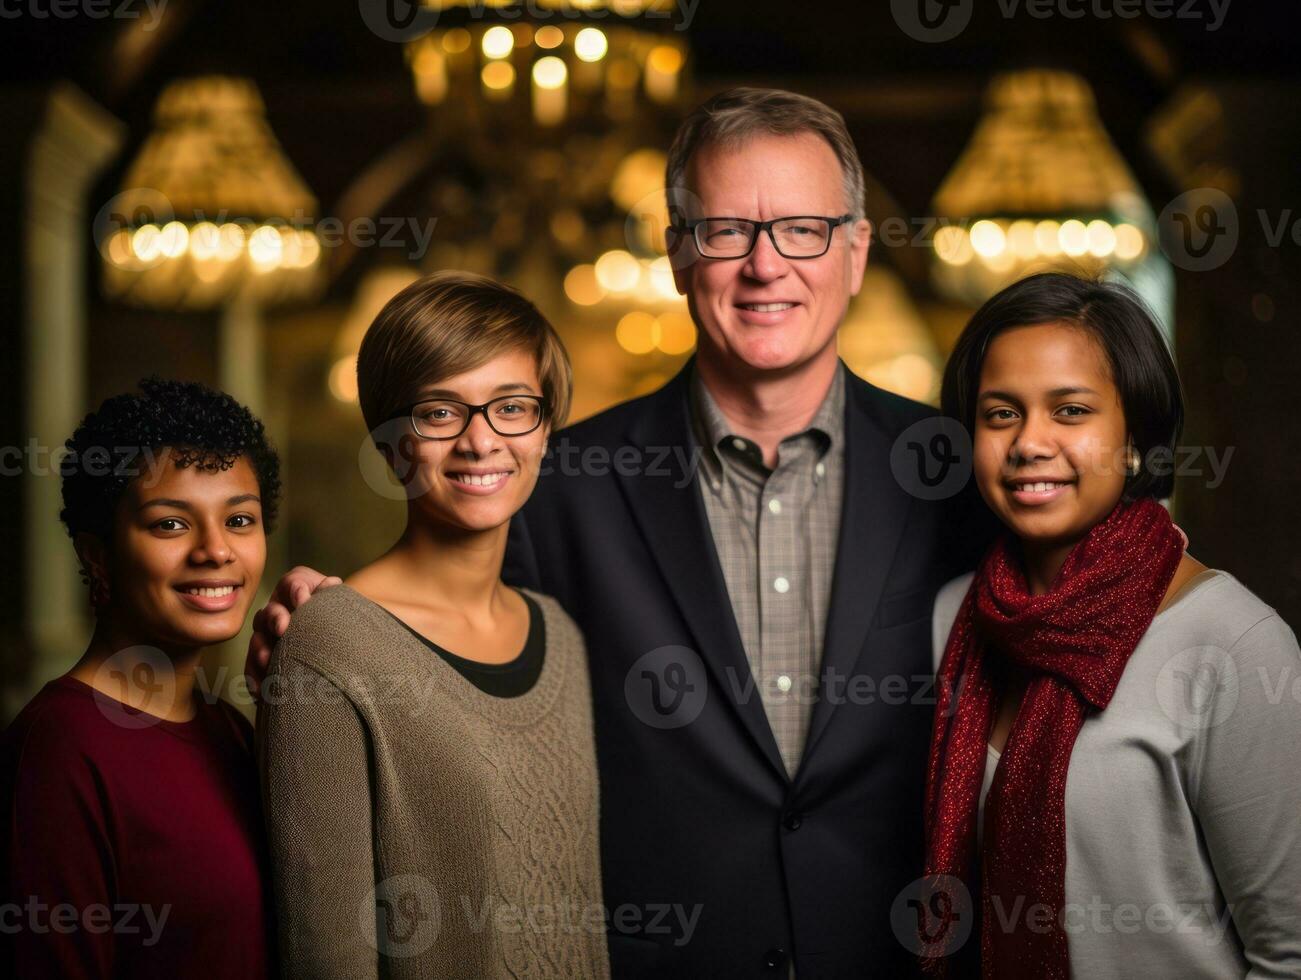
<point>1034,440</point>
<point>212,547</point>
<point>764,262</point>
<point>479,438</point>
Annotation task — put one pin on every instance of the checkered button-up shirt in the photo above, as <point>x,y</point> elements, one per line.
<point>776,533</point>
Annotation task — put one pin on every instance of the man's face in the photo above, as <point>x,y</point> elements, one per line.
<point>764,312</point>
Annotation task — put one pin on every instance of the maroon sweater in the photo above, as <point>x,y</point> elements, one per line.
<point>131,846</point>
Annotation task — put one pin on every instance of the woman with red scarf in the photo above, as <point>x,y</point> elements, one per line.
<point>1112,789</point>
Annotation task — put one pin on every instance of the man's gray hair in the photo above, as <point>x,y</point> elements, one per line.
<point>734,116</point>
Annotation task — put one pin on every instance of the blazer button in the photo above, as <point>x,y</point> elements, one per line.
<point>792,821</point>
<point>775,958</point>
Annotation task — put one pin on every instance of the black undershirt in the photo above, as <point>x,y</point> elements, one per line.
<point>508,680</point>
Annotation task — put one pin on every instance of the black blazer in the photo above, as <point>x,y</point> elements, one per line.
<point>714,863</point>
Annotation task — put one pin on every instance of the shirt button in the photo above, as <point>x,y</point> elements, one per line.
<point>775,505</point>
<point>781,585</point>
<point>783,683</point>
<point>738,444</point>
<point>820,469</point>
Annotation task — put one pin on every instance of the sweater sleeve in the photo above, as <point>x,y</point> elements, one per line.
<point>1247,796</point>
<point>312,752</point>
<point>60,859</point>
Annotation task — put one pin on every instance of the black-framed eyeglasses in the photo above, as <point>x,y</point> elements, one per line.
<point>796,237</point>
<point>447,418</point>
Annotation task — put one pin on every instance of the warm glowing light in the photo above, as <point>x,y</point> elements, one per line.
<point>343,379</point>
<point>637,332</point>
<point>582,286</point>
<point>677,334</point>
<point>590,44</point>
<point>549,37</point>
<point>119,249</point>
<point>498,42</point>
<point>146,244</point>
<point>173,239</point>
<point>665,59</point>
<point>550,72</point>
<point>205,241</point>
<point>987,239</point>
<point>661,278</point>
<point>265,247</point>
<point>618,271</point>
<point>230,244</point>
<point>1020,239</point>
<point>457,40</point>
<point>1074,237</point>
<point>498,76</point>
<point>953,246</point>
<point>1129,242</point>
<point>1102,239</point>
<point>1047,237</point>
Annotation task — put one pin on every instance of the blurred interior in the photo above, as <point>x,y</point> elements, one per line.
<point>528,143</point>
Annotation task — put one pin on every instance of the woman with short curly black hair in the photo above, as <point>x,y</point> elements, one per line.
<point>132,831</point>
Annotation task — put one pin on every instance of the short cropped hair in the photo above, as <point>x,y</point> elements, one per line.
<point>733,116</point>
<point>444,325</point>
<point>192,423</point>
<point>1124,328</point>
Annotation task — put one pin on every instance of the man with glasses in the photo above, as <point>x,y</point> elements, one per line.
<point>753,584</point>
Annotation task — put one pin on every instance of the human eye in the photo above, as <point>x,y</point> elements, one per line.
<point>168,524</point>
<point>995,416</point>
<point>1074,411</point>
<point>245,520</point>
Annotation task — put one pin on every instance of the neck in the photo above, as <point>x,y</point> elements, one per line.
<point>132,677</point>
<point>768,406</point>
<point>462,568</point>
<point>1042,561</point>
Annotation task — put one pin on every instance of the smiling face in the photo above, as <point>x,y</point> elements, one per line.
<point>477,481</point>
<point>1050,435</point>
<point>766,313</point>
<point>188,552</point>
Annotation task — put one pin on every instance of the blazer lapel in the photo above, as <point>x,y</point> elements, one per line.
<point>671,515</point>
<point>872,518</point>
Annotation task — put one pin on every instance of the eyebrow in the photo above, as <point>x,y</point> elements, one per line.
<point>500,389</point>
<point>185,505</point>
<point>1054,393</point>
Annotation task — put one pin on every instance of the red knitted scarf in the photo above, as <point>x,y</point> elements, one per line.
<point>1074,642</point>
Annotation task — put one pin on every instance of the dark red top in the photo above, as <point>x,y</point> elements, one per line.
<point>131,846</point>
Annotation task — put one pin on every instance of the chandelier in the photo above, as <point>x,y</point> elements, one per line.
<point>1039,187</point>
<point>211,209</point>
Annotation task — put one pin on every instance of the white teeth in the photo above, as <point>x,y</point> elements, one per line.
<point>1041,487</point>
<point>768,307</point>
<point>213,593</point>
<point>476,480</point>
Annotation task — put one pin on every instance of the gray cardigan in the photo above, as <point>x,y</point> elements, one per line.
<point>418,826</point>
<point>1183,797</point>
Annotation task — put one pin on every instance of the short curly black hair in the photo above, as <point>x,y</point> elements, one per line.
<point>117,443</point>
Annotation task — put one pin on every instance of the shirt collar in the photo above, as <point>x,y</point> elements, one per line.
<point>711,427</point>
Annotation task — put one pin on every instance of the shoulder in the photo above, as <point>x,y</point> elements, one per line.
<point>60,733</point>
<point>947,603</point>
<point>337,629</point>
<point>1218,610</point>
